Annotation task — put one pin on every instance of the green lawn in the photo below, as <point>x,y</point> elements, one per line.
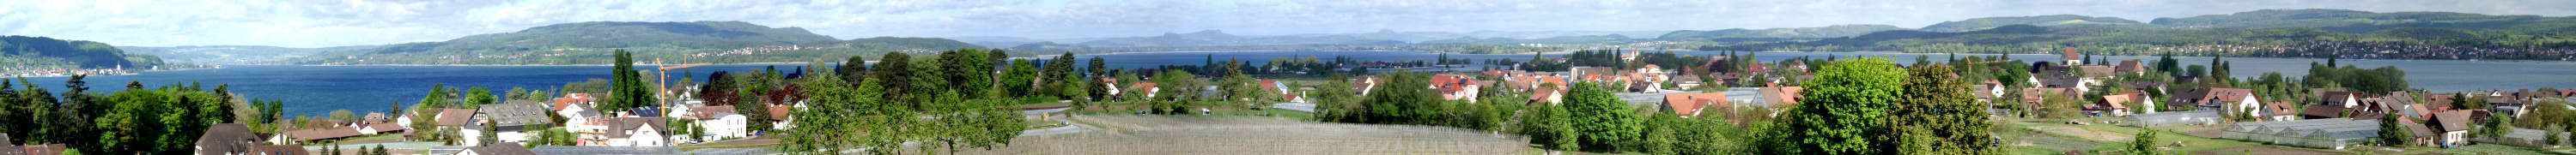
<point>2050,145</point>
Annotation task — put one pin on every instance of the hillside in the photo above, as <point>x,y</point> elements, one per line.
<point>1775,33</point>
<point>1220,38</point>
<point>232,54</point>
<point>2350,21</point>
<point>25,52</point>
<point>591,43</point>
<point>2043,21</point>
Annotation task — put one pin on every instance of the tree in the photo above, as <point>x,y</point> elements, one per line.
<point>1660,137</point>
<point>1937,106</point>
<point>1021,79</point>
<point>854,70</point>
<point>477,97</point>
<point>1603,120</point>
<point>2495,127</point>
<point>1101,90</point>
<point>1548,127</point>
<point>628,90</point>
<point>2145,143</point>
<point>1845,107</point>
<point>490,135</point>
<point>2392,133</point>
<point>517,93</point>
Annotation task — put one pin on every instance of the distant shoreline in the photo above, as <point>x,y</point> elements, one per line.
<point>525,65</point>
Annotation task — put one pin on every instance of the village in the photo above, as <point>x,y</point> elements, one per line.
<point>2067,100</point>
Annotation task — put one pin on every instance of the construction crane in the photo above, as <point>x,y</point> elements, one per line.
<point>663,74</point>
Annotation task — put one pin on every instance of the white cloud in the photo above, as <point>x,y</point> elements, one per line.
<point>317,23</point>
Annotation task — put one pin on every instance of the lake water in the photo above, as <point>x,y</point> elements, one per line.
<point>316,90</point>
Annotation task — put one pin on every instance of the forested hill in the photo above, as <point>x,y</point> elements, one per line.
<point>2044,21</point>
<point>592,43</point>
<point>232,54</point>
<point>25,52</point>
<point>1776,33</point>
<point>2350,21</point>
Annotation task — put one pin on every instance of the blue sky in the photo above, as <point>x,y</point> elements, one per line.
<point>321,23</point>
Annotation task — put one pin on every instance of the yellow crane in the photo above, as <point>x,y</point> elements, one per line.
<point>663,74</point>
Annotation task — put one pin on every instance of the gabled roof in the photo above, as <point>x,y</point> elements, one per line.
<point>318,134</point>
<point>514,114</point>
<point>2452,121</point>
<point>377,117</point>
<point>505,148</point>
<point>710,112</point>
<point>779,112</point>
<point>2322,111</point>
<point>2070,54</point>
<point>2127,66</point>
<point>455,117</point>
<point>1688,104</point>
<point>227,138</point>
<point>382,127</point>
<point>619,126</point>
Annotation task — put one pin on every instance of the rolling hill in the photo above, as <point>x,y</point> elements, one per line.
<point>2042,21</point>
<point>232,54</point>
<point>592,43</point>
<point>2351,21</point>
<point>26,52</point>
<point>1775,33</point>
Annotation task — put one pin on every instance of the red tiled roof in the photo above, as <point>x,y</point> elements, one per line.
<point>1689,104</point>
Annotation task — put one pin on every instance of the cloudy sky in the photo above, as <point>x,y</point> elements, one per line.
<point>321,23</point>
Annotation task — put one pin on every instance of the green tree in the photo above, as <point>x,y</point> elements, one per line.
<point>2145,142</point>
<point>490,135</point>
<point>628,89</point>
<point>2495,127</point>
<point>477,97</point>
<point>1098,69</point>
<point>1937,105</point>
<point>2392,133</point>
<point>1549,127</point>
<point>1603,120</point>
<point>1021,79</point>
<point>1660,136</point>
<point>1845,108</point>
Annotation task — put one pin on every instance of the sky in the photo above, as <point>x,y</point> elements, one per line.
<point>324,23</point>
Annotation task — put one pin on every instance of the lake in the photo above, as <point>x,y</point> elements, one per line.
<point>316,90</point>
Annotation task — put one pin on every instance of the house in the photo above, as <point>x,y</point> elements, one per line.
<point>2072,58</point>
<point>1691,104</point>
<point>308,135</point>
<point>1149,88</point>
<point>1104,81</point>
<point>380,128</point>
<point>2145,103</point>
<point>1780,96</point>
<point>2323,111</point>
<point>572,105</point>
<point>1549,95</point>
<point>1363,84</point>
<point>497,149</point>
<point>636,131</point>
<point>376,117</point>
<point>721,122</point>
<point>2238,101</point>
<point>780,117</point>
<point>448,117</point>
<point>227,138</point>
<point>2197,117</point>
<point>2130,67</point>
<point>2279,111</point>
<point>2341,99</point>
<point>512,120</point>
<point>2315,133</point>
<point>1455,86</point>
<point>2110,105</point>
<point>1687,83</point>
<point>2453,126</point>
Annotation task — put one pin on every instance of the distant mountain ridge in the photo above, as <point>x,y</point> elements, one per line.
<point>1973,24</point>
<point>31,52</point>
<point>586,42</point>
<point>2351,21</point>
<point>1784,33</point>
<point>228,54</point>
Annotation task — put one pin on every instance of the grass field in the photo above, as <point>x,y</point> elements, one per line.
<point>1155,134</point>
